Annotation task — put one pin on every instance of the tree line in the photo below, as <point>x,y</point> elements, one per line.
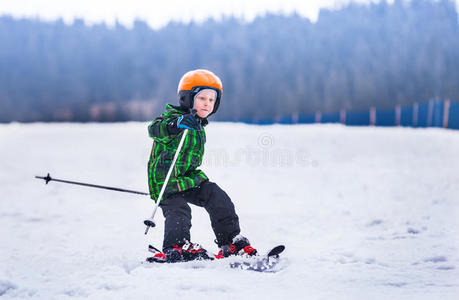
<point>362,55</point>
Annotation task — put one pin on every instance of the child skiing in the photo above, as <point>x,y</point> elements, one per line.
<point>199,93</point>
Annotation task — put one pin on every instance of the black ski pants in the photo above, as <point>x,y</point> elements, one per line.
<point>177,212</point>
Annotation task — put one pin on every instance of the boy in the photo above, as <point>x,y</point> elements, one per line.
<point>199,93</point>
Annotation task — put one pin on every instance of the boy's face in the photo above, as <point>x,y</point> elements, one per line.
<point>204,102</point>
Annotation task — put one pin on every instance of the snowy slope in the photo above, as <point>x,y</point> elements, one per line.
<point>365,213</point>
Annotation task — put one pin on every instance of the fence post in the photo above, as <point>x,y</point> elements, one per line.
<point>398,114</point>
<point>430,113</point>
<point>414,122</point>
<point>446,113</point>
<point>342,116</point>
<point>295,117</point>
<point>277,119</point>
<point>372,116</point>
<point>318,117</point>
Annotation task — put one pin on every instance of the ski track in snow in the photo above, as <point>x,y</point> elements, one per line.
<point>365,213</point>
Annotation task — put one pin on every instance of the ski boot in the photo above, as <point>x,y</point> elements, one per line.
<point>179,253</point>
<point>240,246</point>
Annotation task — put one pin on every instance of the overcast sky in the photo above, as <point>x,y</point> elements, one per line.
<point>158,13</point>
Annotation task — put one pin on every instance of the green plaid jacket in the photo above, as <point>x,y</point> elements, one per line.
<point>185,174</point>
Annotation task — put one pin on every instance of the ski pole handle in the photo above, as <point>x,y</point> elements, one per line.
<point>150,222</point>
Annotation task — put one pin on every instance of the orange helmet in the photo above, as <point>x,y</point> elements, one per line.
<point>193,82</point>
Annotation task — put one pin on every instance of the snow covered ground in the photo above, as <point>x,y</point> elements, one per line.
<point>365,213</point>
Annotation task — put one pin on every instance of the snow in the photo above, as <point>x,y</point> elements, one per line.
<point>364,213</point>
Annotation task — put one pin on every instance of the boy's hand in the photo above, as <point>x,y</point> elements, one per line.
<point>188,121</point>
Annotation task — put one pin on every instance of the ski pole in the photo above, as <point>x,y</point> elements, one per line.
<point>48,178</point>
<point>150,222</point>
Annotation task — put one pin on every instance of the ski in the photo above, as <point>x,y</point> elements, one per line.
<point>155,259</point>
<point>267,263</point>
<point>259,263</point>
